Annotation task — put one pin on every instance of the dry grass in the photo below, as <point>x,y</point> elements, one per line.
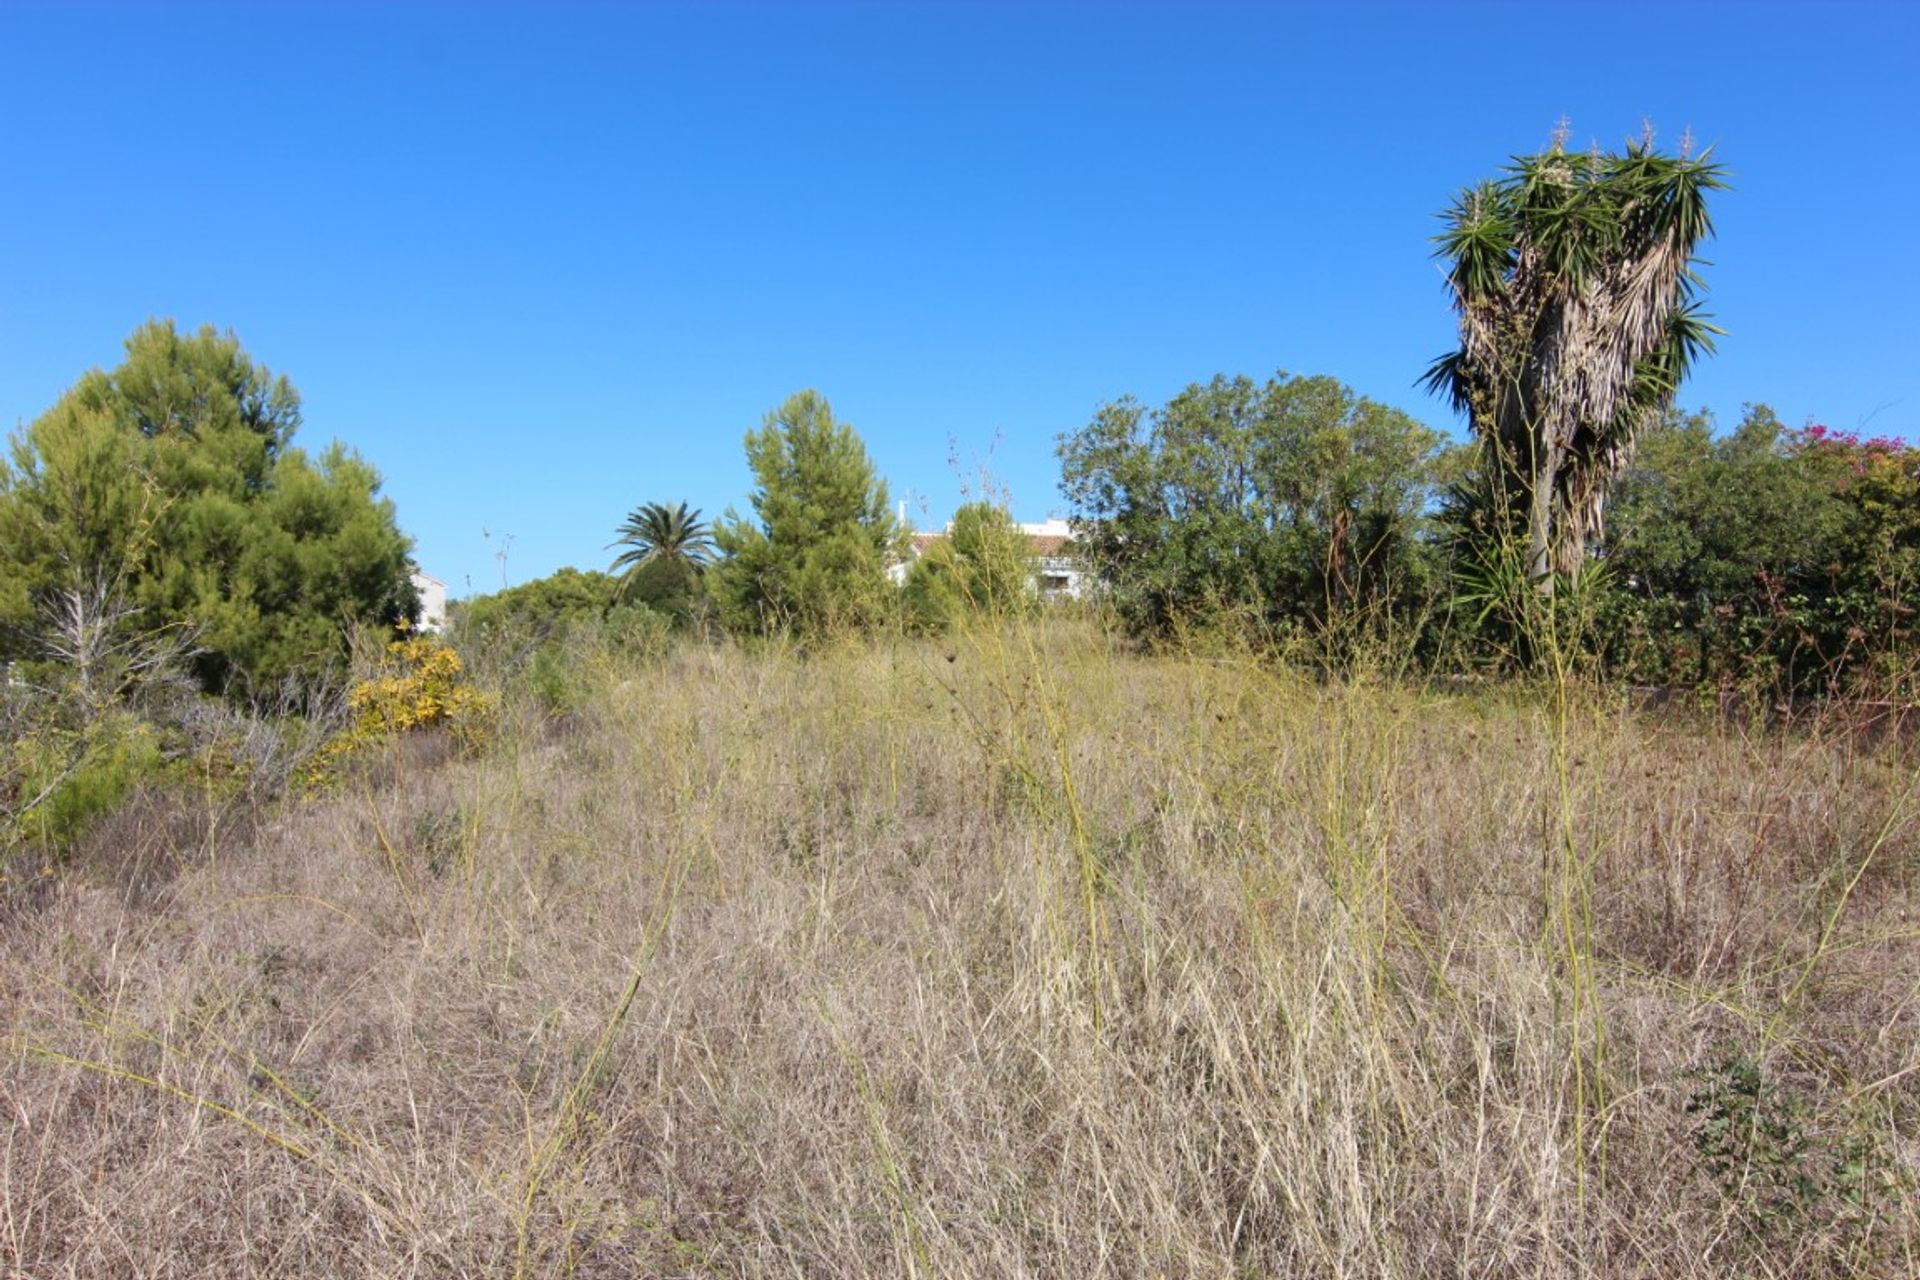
<point>1015,956</point>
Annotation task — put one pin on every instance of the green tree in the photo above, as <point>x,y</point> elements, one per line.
<point>982,565</point>
<point>169,492</point>
<point>538,610</point>
<point>1763,556</point>
<point>667,549</point>
<point>1293,502</point>
<point>814,557</point>
<point>1573,277</point>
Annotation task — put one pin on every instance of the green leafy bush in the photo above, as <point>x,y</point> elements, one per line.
<point>1775,559</point>
<point>546,608</point>
<point>1295,504</point>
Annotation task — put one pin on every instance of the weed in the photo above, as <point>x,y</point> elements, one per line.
<point>1786,1177</point>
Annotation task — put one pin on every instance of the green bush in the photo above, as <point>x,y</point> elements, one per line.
<point>544,609</point>
<point>981,566</point>
<point>639,630</point>
<point>1293,505</point>
<point>1767,558</point>
<point>556,679</point>
<point>66,780</point>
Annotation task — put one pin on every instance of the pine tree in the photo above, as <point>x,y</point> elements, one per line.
<point>169,489</point>
<point>814,557</point>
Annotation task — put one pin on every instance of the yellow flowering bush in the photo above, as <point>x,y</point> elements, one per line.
<point>420,684</point>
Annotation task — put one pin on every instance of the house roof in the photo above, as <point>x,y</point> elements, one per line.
<point>1043,545</point>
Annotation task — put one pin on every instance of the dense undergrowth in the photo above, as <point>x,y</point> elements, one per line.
<point>1011,953</point>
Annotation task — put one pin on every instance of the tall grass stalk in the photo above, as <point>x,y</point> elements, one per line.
<point>1015,952</point>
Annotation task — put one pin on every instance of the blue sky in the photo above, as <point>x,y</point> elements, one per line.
<point>543,264</point>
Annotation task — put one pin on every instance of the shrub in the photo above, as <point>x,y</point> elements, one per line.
<point>535,611</point>
<point>1766,557</point>
<point>67,779</point>
<point>1295,504</point>
<point>419,685</point>
<point>638,630</point>
<point>981,566</point>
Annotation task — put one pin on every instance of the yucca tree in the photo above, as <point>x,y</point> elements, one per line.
<point>1573,279</point>
<point>665,536</point>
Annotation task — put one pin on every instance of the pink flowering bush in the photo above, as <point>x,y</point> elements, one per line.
<point>1770,558</point>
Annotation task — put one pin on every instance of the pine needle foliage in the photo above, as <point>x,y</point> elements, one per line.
<point>171,486</point>
<point>813,559</point>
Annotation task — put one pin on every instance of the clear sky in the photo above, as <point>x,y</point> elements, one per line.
<point>541,264</point>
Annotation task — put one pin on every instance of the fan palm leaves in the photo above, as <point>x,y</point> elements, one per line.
<point>1573,279</point>
<point>658,534</point>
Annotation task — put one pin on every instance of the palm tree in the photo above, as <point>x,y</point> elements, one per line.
<point>1573,279</point>
<point>659,535</point>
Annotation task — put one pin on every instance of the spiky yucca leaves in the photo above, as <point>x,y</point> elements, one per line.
<point>657,534</point>
<point>1573,279</point>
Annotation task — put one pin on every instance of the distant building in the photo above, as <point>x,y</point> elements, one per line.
<point>433,602</point>
<point>1058,573</point>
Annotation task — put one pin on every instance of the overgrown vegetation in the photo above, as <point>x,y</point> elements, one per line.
<point>800,898</point>
<point>534,611</point>
<point>1767,558</point>
<point>418,684</point>
<point>981,567</point>
<point>1014,952</point>
<point>1296,506</point>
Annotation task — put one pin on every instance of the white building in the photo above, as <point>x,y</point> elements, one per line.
<point>433,602</point>
<point>1058,574</point>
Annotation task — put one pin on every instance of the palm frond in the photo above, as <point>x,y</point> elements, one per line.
<point>657,532</point>
<point>1446,376</point>
<point>1479,239</point>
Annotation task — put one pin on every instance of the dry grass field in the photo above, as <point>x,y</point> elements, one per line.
<point>1014,955</point>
